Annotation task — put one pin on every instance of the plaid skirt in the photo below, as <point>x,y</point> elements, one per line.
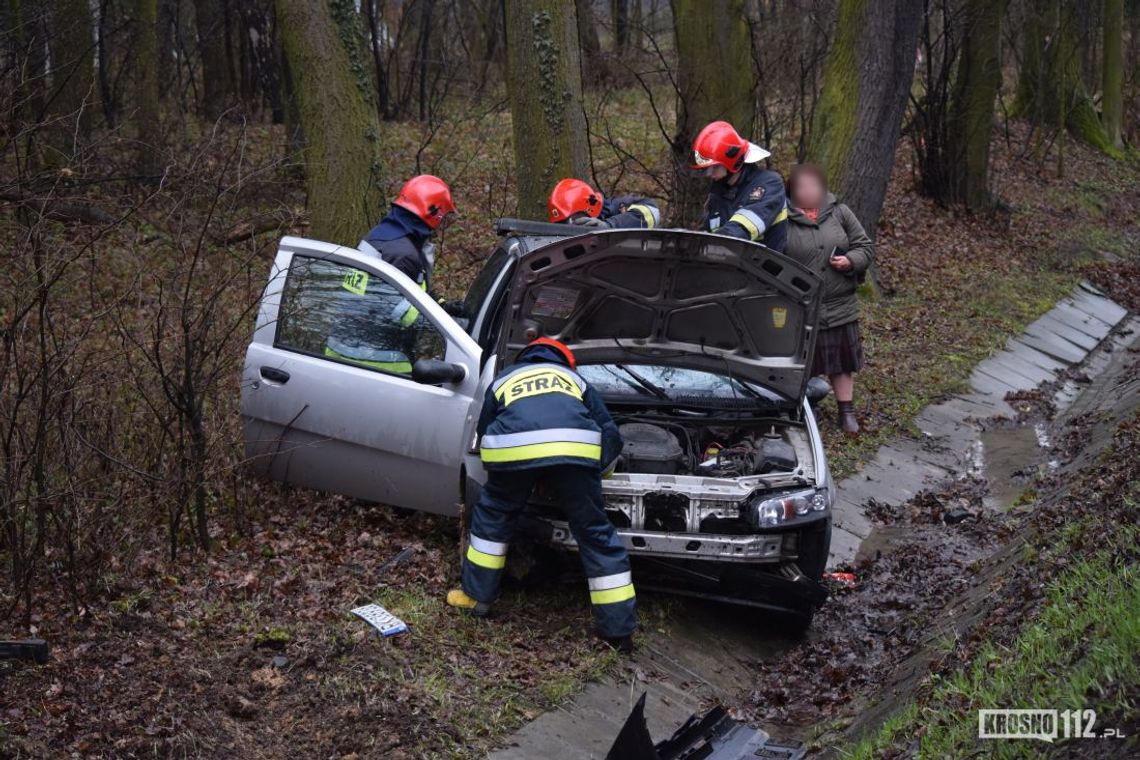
<point>838,350</point>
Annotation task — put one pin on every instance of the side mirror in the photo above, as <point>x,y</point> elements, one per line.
<point>435,372</point>
<point>817,390</point>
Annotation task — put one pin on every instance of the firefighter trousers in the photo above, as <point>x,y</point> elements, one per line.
<point>578,490</point>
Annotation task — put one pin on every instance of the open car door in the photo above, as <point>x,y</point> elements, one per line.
<point>330,399</point>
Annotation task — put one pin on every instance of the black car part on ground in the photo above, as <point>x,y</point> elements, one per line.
<point>714,736</point>
<point>35,650</point>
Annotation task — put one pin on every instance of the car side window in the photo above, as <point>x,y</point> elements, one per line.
<point>347,315</point>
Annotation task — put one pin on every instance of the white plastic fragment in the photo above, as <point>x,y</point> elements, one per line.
<point>380,619</point>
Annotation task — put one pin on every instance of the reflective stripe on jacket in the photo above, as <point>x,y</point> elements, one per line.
<point>543,414</point>
<point>631,212</point>
<point>754,208</point>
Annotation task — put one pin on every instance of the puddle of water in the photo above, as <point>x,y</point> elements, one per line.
<point>1009,457</point>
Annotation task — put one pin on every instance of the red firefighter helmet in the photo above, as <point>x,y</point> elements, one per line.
<point>573,196</point>
<point>427,197</point>
<point>719,143</point>
<point>558,346</point>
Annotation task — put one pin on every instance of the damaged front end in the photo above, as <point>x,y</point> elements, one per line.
<point>747,521</point>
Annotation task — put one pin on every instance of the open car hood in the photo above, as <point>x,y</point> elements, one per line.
<point>673,298</point>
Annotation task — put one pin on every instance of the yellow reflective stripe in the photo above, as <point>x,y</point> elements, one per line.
<point>541,451</point>
<point>646,214</point>
<point>612,595</point>
<point>542,380</point>
<point>410,316</point>
<point>482,559</point>
<point>532,368</point>
<point>746,223</point>
<point>782,216</point>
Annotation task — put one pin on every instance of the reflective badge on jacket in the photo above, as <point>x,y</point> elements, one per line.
<point>355,281</point>
<point>543,380</point>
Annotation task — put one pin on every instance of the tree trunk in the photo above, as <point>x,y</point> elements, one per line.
<point>544,84</point>
<point>218,91</point>
<point>71,43</point>
<point>620,11</point>
<point>972,108</point>
<point>717,80</point>
<point>593,66</point>
<point>342,161</point>
<point>1112,72</point>
<point>1050,90</point>
<point>866,81</point>
<point>144,49</point>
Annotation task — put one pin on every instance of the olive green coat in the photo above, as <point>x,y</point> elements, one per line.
<point>811,244</point>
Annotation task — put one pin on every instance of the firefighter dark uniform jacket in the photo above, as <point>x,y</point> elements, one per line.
<point>374,321</point>
<point>540,413</point>
<point>753,209</point>
<point>630,212</point>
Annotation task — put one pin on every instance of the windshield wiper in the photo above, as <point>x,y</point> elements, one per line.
<point>644,383</point>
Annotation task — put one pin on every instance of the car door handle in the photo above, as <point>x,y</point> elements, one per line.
<point>274,375</point>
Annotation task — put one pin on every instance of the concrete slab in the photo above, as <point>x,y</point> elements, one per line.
<point>1007,360</point>
<point>1000,367</point>
<point>847,514</point>
<point>903,477</point>
<point>844,547</point>
<point>1059,326</point>
<point>985,383</point>
<point>1100,307</point>
<point>932,452</point>
<point>1054,346</point>
<point>996,405</point>
<point>1033,356</point>
<point>1079,320</point>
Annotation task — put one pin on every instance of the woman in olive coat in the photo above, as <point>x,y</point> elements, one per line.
<point>825,236</point>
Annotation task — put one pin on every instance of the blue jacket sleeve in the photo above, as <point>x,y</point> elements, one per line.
<point>630,212</point>
<point>764,205</point>
<point>611,438</point>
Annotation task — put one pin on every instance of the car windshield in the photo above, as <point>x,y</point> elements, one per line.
<point>651,381</point>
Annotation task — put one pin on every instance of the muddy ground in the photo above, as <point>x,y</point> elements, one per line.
<point>956,565</point>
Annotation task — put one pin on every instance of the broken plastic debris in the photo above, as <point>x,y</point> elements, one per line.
<point>380,619</point>
<point>714,736</point>
<point>839,577</point>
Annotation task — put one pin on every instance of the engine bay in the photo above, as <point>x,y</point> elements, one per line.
<point>732,449</point>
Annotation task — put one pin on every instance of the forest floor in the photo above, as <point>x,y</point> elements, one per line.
<point>249,650</point>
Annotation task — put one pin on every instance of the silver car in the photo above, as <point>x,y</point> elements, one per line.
<point>700,345</point>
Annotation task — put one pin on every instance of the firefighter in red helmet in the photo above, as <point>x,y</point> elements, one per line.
<point>574,201</point>
<point>374,328</point>
<point>541,421</point>
<point>745,199</point>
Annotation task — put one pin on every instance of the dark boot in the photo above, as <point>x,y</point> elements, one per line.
<point>847,419</point>
<point>623,644</point>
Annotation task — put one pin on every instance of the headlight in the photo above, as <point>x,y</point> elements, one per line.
<point>767,511</point>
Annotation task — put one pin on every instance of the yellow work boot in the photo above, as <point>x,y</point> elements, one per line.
<point>458,598</point>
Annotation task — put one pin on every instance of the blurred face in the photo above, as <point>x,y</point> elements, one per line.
<point>715,173</point>
<point>808,192</point>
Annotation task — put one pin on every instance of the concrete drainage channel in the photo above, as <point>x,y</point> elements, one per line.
<point>710,655</point>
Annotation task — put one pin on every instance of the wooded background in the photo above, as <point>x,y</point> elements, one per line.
<point>153,150</point>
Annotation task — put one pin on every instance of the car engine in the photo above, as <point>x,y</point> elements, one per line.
<point>673,448</point>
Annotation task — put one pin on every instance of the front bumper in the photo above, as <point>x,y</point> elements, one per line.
<point>750,548</point>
